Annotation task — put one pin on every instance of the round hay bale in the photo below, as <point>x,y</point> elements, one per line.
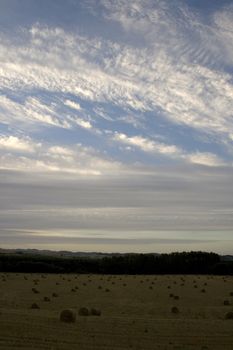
<point>229,315</point>
<point>176,297</point>
<point>83,311</point>
<point>231,294</point>
<point>67,316</point>
<point>35,306</point>
<point>175,310</point>
<point>95,312</point>
<point>46,299</point>
<point>226,302</point>
<point>55,295</point>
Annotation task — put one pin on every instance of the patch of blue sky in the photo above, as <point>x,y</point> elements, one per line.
<point>207,7</point>
<point>4,129</point>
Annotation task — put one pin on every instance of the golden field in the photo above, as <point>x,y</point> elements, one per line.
<point>137,312</point>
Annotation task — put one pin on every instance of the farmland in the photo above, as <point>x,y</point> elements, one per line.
<point>137,311</point>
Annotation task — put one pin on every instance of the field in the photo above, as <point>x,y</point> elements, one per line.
<point>137,312</point>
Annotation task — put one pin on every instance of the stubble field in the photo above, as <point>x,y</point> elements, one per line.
<point>137,312</point>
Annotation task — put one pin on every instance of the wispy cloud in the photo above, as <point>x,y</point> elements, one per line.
<point>146,79</point>
<point>30,113</point>
<point>155,147</point>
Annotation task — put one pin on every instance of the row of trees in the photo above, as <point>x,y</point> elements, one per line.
<point>174,263</point>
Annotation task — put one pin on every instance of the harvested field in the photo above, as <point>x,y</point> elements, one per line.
<point>135,313</point>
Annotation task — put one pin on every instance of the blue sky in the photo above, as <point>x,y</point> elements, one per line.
<point>116,125</point>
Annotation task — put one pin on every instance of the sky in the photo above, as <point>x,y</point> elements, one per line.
<point>116,125</point>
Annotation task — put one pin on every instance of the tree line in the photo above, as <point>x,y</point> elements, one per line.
<point>173,263</point>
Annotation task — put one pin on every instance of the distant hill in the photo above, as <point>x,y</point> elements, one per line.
<point>69,254</point>
<point>64,253</point>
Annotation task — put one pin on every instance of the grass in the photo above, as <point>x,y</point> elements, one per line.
<point>131,314</point>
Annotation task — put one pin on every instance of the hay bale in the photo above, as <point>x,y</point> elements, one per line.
<point>35,306</point>
<point>176,297</point>
<point>229,315</point>
<point>67,316</point>
<point>55,295</point>
<point>46,299</point>
<point>231,294</point>
<point>175,310</point>
<point>95,312</point>
<point>83,311</point>
<point>226,302</point>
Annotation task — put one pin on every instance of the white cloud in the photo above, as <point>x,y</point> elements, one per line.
<point>15,144</point>
<point>205,158</point>
<point>73,105</point>
<point>147,145</point>
<point>64,151</point>
<point>78,159</point>
<point>83,123</point>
